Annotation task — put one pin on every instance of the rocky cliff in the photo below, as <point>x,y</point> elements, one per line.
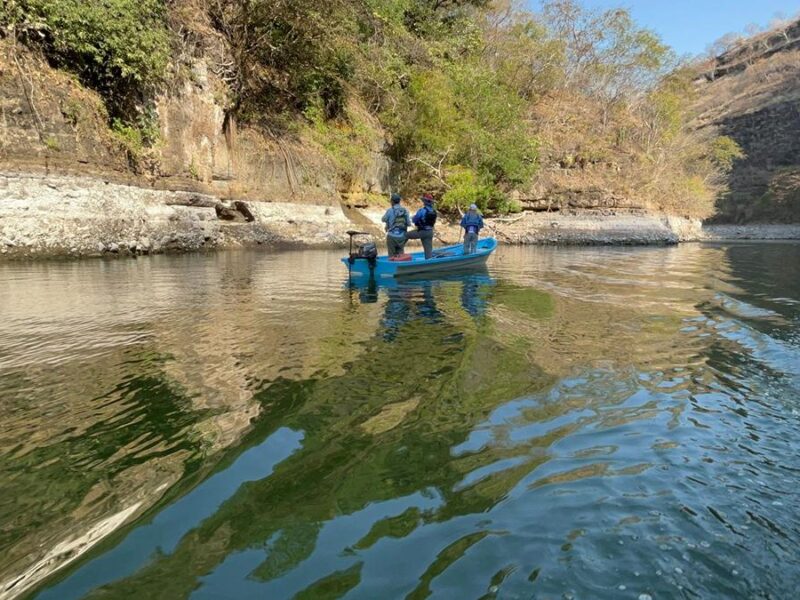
<point>752,94</point>
<point>50,122</point>
<point>72,185</point>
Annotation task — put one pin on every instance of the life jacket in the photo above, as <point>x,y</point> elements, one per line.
<point>399,222</point>
<point>472,223</point>
<point>428,218</point>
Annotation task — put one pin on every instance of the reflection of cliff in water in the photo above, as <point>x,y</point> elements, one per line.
<point>382,430</point>
<point>135,375</point>
<point>755,330</point>
<point>383,433</point>
<point>131,375</point>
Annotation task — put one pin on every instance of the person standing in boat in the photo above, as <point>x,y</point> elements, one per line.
<point>472,223</point>
<point>397,221</point>
<point>425,219</point>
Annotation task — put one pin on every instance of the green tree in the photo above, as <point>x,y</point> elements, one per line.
<point>118,47</point>
<point>287,54</point>
<point>725,151</point>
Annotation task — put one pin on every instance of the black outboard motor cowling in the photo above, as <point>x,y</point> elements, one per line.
<point>368,250</point>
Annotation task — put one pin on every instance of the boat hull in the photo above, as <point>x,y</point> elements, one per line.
<point>450,259</point>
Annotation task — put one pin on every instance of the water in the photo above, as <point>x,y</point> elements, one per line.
<point>574,423</point>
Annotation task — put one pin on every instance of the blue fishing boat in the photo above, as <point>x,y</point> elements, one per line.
<point>449,259</point>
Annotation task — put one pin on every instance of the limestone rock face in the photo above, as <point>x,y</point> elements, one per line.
<point>752,94</point>
<point>205,149</point>
<point>47,119</point>
<point>58,215</point>
<point>592,198</point>
<point>49,123</point>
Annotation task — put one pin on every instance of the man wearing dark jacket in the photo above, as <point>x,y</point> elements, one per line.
<point>425,219</point>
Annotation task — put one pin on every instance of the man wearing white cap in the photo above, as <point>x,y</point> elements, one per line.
<point>472,223</point>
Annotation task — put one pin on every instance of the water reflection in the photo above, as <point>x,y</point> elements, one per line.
<point>408,299</point>
<point>579,422</point>
<point>377,442</point>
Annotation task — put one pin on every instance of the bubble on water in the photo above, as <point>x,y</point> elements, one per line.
<point>735,572</point>
<point>622,588</point>
<point>679,571</point>
<point>705,544</point>
<point>621,543</point>
<point>686,557</point>
<point>658,573</point>
<point>636,573</point>
<point>645,597</point>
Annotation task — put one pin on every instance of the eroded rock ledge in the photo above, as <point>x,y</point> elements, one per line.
<point>69,216</point>
<point>47,215</point>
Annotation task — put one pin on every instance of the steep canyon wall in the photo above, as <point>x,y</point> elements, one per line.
<point>49,122</point>
<point>752,94</point>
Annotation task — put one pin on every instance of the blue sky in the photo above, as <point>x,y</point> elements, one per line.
<point>690,26</point>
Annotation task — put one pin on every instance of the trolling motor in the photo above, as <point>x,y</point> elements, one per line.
<point>364,250</point>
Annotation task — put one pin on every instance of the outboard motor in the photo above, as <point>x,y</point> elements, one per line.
<point>366,250</point>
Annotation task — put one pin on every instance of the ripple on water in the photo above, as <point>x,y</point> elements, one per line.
<point>598,423</point>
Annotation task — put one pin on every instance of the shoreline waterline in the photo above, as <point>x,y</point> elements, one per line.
<point>62,217</point>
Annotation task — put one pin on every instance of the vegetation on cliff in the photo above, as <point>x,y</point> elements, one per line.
<point>119,47</point>
<point>479,101</point>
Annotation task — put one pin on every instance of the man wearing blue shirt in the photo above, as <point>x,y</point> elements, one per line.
<point>425,219</point>
<point>472,223</point>
<point>397,221</point>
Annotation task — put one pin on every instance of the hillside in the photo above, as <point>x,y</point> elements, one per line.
<point>476,101</point>
<point>752,94</point>
<point>288,121</point>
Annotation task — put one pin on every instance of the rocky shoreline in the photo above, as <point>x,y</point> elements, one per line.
<point>764,232</point>
<point>53,216</point>
<point>67,216</point>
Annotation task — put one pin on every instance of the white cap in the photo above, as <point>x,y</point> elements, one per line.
<point>473,207</point>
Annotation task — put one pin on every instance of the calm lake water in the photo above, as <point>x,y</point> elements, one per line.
<point>572,423</point>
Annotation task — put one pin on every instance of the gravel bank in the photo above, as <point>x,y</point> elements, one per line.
<point>594,229</point>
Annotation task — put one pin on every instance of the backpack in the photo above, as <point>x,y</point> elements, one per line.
<point>399,222</point>
<point>430,216</point>
<point>428,219</point>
